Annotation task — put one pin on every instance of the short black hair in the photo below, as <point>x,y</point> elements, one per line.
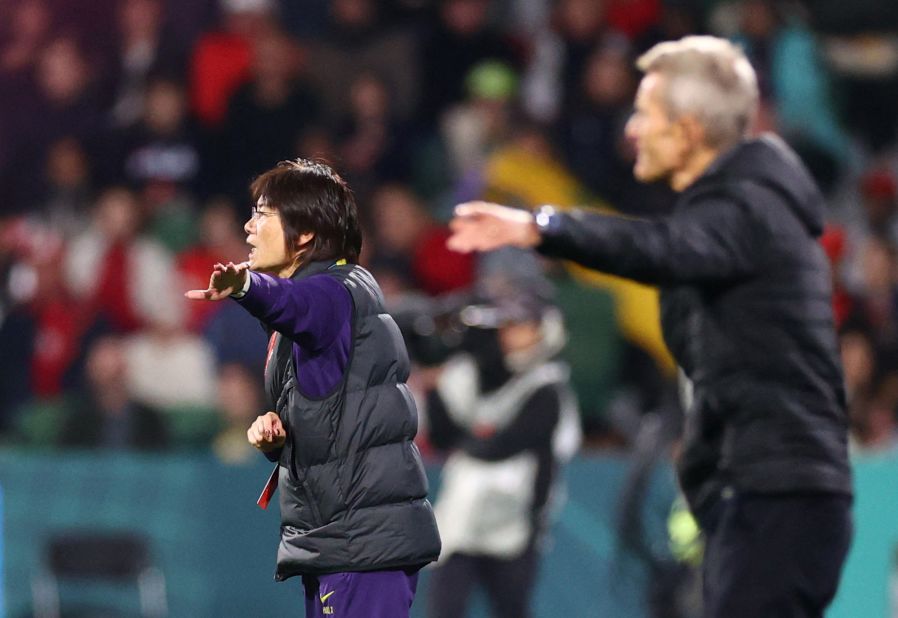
<point>311,197</point>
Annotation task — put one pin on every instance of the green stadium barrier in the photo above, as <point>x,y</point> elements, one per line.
<point>216,547</point>
<point>864,591</point>
<point>2,578</point>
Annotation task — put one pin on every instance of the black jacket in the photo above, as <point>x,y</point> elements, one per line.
<point>746,311</point>
<point>353,491</point>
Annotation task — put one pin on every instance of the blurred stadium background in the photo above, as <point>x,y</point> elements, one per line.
<point>129,130</point>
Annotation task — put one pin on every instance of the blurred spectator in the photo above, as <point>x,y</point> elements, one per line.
<point>591,138</point>
<point>221,240</point>
<point>474,127</point>
<point>873,412</point>
<point>869,343</point>
<point>876,427</point>
<point>239,403</point>
<point>266,115</point>
<point>525,18</point>
<point>185,22</point>
<point>879,198</point>
<point>591,134</point>
<point>859,362</point>
<point>160,155</point>
<point>877,215</point>
<point>525,171</point>
<point>122,275</point>
<point>316,143</point>
<point>37,304</point>
<point>65,94</point>
<point>105,415</point>
<point>506,411</point>
<point>676,19</point>
<point>360,41</point>
<point>410,246</point>
<point>579,26</point>
<point>633,17</point>
<point>23,34</point>
<point>833,242</point>
<point>876,299</point>
<point>168,367</point>
<point>373,143</point>
<point>59,323</point>
<point>222,58</point>
<point>554,78</point>
<point>17,338</point>
<point>461,38</point>
<point>38,324</point>
<point>60,102</point>
<point>64,203</point>
<point>143,48</point>
<point>17,324</point>
<point>792,77</point>
<point>236,337</point>
<point>161,159</point>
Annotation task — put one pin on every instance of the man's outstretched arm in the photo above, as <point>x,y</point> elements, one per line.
<point>713,240</point>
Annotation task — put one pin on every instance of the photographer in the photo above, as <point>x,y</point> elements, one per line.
<point>505,409</point>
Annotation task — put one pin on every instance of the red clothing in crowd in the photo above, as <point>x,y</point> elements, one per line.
<point>633,17</point>
<point>220,65</point>
<point>438,270</point>
<point>58,332</point>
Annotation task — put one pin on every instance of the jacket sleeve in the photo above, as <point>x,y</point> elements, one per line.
<point>711,239</point>
<point>310,311</point>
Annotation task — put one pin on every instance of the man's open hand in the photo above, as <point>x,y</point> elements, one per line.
<point>482,226</point>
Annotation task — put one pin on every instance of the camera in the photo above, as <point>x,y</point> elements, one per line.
<point>435,328</point>
<point>432,327</point>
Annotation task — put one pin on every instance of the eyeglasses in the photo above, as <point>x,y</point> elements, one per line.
<point>258,214</point>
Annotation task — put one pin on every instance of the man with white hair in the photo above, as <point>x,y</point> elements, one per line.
<point>746,312</point>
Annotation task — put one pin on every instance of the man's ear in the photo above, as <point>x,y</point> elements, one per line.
<point>694,132</point>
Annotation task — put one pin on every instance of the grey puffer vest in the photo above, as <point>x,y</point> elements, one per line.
<point>353,492</point>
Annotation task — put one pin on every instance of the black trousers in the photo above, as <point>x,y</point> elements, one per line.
<point>508,584</point>
<point>775,555</point>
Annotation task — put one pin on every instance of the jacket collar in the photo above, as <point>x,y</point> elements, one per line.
<point>315,268</point>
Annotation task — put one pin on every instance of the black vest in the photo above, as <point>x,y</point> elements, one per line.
<point>353,488</point>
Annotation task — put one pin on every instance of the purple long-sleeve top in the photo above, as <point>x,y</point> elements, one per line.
<point>316,314</point>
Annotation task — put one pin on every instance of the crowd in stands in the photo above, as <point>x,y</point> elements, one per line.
<point>130,130</point>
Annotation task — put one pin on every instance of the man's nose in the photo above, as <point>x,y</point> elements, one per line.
<point>630,129</point>
<point>247,227</point>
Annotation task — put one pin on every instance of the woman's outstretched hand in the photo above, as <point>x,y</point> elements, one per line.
<point>225,280</point>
